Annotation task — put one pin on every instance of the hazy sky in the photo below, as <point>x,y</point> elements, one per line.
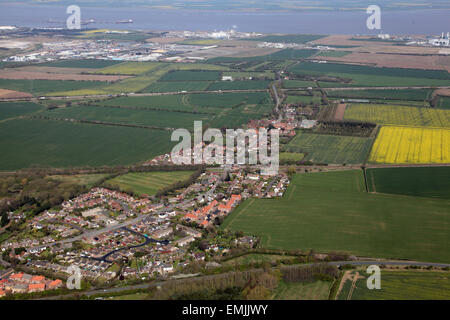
<point>252,4</point>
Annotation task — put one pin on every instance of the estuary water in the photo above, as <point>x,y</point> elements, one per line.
<point>430,21</point>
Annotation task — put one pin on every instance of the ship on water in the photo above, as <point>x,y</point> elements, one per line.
<point>125,21</point>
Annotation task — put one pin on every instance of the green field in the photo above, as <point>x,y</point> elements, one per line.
<point>383,94</point>
<point>140,82</point>
<point>328,149</point>
<point>330,211</point>
<point>87,63</point>
<point>229,100</point>
<point>230,110</point>
<point>372,76</point>
<point>291,157</point>
<point>295,99</point>
<point>257,258</point>
<point>317,290</point>
<point>194,75</point>
<point>288,84</point>
<point>45,87</point>
<point>149,182</point>
<point>433,182</point>
<point>88,180</point>
<point>130,68</point>
<point>290,38</point>
<point>239,85</point>
<point>245,75</point>
<point>26,143</point>
<point>334,54</point>
<point>177,86</point>
<point>404,285</point>
<point>17,109</point>
<point>140,117</point>
<point>397,115</point>
<point>281,55</point>
<point>444,103</point>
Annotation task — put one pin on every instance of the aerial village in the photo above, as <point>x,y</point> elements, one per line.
<point>99,229</point>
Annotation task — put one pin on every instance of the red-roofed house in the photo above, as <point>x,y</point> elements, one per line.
<point>37,279</point>
<point>204,223</point>
<point>224,208</point>
<point>209,207</point>
<point>36,287</point>
<point>55,284</point>
<point>16,276</point>
<point>190,216</point>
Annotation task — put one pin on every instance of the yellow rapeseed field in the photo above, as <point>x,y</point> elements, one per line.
<point>398,115</point>
<point>411,145</point>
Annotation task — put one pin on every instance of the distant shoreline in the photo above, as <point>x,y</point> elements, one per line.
<point>419,21</point>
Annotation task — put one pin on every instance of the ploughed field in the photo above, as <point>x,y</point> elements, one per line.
<point>331,211</point>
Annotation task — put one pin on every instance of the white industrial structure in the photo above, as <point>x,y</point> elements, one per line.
<point>443,41</point>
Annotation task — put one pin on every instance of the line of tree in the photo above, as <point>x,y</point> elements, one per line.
<point>319,271</point>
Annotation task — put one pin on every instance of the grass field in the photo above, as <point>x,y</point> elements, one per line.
<point>282,55</point>
<point>383,94</point>
<point>431,182</point>
<point>317,290</point>
<point>397,115</point>
<point>334,54</point>
<point>245,75</point>
<point>130,68</point>
<point>230,110</point>
<point>150,118</point>
<point>336,68</point>
<point>405,285</point>
<point>287,84</point>
<point>62,144</point>
<point>295,99</point>
<point>444,103</point>
<point>219,110</point>
<point>186,75</point>
<point>328,149</point>
<point>88,180</point>
<point>330,211</point>
<point>87,63</point>
<point>239,85</point>
<point>257,258</point>
<point>291,38</point>
<point>149,182</point>
<point>410,145</point>
<point>372,76</point>
<point>228,100</point>
<point>46,87</point>
<point>141,82</point>
<point>17,109</point>
<point>291,156</point>
<point>177,86</point>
